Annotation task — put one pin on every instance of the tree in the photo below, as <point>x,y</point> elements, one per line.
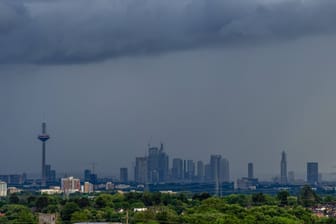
<point>308,197</point>
<point>79,216</point>
<point>104,200</point>
<point>282,196</point>
<point>14,199</point>
<point>68,209</point>
<point>41,202</point>
<point>17,214</point>
<point>201,196</point>
<point>258,199</point>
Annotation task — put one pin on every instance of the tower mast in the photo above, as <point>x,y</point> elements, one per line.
<point>43,138</point>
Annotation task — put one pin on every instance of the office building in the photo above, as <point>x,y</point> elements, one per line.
<point>13,179</point>
<point>50,175</point>
<point>250,171</point>
<point>291,177</point>
<point>123,175</point>
<point>140,170</point>
<point>3,189</point>
<point>177,169</point>
<point>87,175</point>
<point>88,187</point>
<point>312,173</point>
<point>190,174</point>
<point>157,165</point>
<point>224,171</point>
<point>207,173</point>
<point>200,171</point>
<point>215,161</point>
<point>283,168</point>
<point>70,185</point>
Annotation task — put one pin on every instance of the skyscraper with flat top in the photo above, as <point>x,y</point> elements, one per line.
<point>312,173</point>
<point>123,175</point>
<point>250,172</point>
<point>283,168</point>
<point>140,171</point>
<point>43,138</point>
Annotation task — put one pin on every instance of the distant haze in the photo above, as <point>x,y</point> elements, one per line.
<point>244,79</point>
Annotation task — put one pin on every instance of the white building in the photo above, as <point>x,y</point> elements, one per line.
<point>3,189</point>
<point>70,185</point>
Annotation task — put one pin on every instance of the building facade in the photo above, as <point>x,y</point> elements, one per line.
<point>250,170</point>
<point>123,175</point>
<point>3,189</point>
<point>312,173</point>
<point>140,170</point>
<point>70,185</point>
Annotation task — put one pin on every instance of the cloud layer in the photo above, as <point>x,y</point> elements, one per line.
<point>82,31</point>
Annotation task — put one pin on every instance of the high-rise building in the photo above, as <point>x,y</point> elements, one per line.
<point>250,171</point>
<point>224,170</point>
<point>13,179</point>
<point>312,173</point>
<point>190,169</point>
<point>291,177</point>
<point>50,175</point>
<point>200,170</point>
<point>3,189</point>
<point>220,169</point>
<point>43,138</point>
<point>87,175</point>
<point>163,165</point>
<point>158,165</point>
<point>70,185</point>
<point>123,175</point>
<point>177,169</point>
<point>207,173</point>
<point>215,167</point>
<point>140,171</point>
<point>283,168</point>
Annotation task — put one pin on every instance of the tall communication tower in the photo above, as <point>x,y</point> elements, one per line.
<point>43,138</point>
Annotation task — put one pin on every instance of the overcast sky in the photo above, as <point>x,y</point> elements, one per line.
<point>242,78</point>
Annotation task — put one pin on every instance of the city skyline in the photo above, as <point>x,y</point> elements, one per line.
<point>231,78</point>
<point>157,167</point>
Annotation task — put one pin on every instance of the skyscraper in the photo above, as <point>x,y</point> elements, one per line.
<point>43,138</point>
<point>158,164</point>
<point>214,164</point>
<point>123,175</point>
<point>190,169</point>
<point>312,173</point>
<point>177,169</point>
<point>250,171</point>
<point>140,171</point>
<point>224,170</point>
<point>207,173</point>
<point>283,168</point>
<point>87,175</point>
<point>200,171</point>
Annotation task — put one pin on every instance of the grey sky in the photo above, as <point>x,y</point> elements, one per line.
<point>245,79</point>
<point>78,31</point>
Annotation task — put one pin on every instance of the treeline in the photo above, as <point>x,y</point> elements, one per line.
<point>166,208</point>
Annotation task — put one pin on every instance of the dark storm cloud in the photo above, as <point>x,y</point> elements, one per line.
<point>78,31</point>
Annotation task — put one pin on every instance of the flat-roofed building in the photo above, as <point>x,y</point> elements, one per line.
<point>3,189</point>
